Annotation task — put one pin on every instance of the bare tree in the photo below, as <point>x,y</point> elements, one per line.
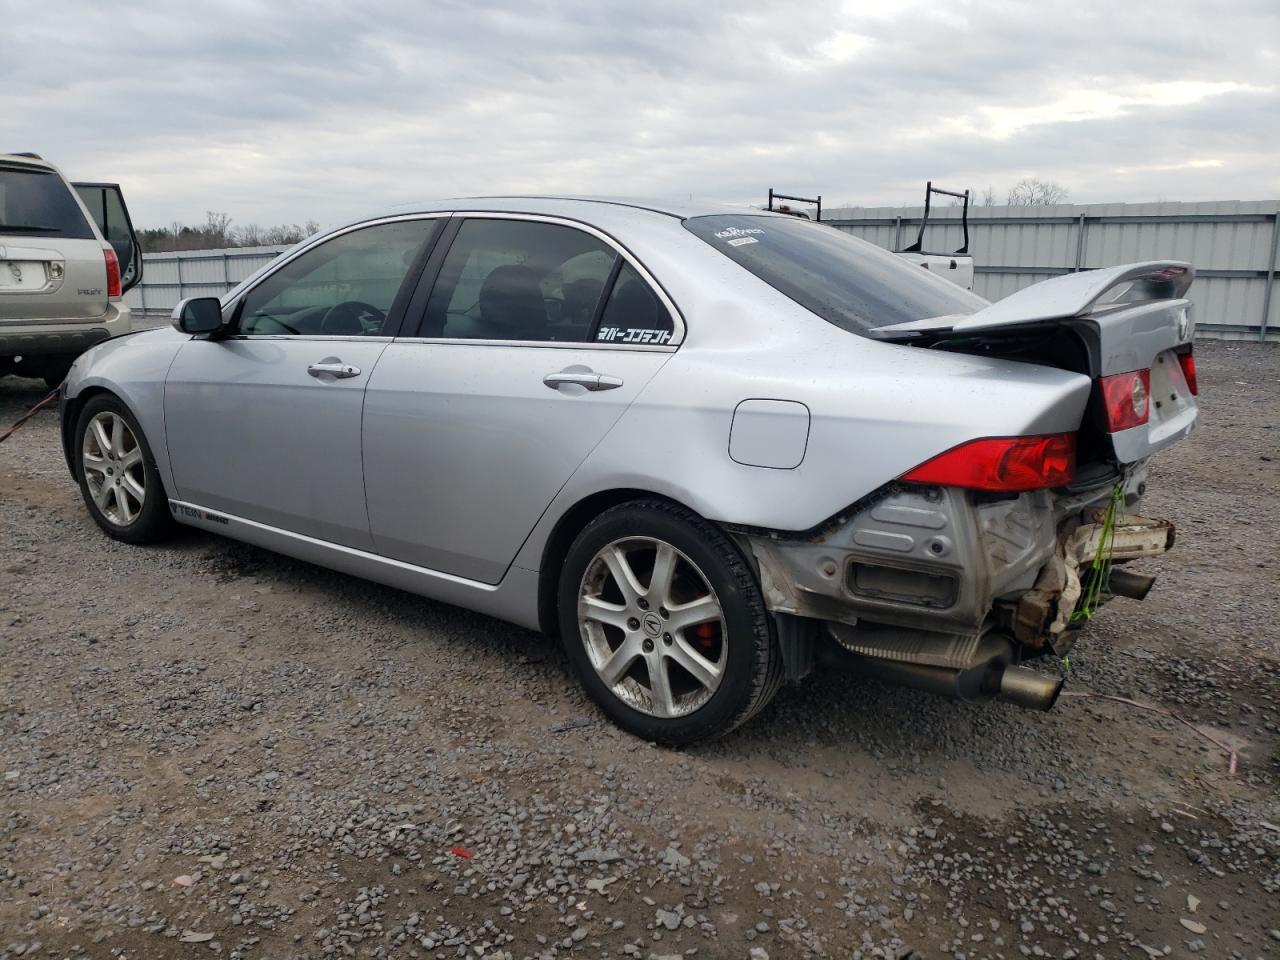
<point>988,198</point>
<point>217,228</point>
<point>218,233</point>
<point>250,236</point>
<point>1034,192</point>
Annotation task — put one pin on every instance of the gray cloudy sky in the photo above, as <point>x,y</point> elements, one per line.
<point>275,111</point>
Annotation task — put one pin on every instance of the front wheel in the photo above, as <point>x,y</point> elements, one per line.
<point>664,623</point>
<point>118,476</point>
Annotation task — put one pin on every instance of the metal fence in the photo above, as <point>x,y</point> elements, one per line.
<point>170,277</point>
<point>1232,245</point>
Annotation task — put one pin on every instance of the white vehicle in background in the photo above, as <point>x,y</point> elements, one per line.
<point>68,253</point>
<point>956,266</point>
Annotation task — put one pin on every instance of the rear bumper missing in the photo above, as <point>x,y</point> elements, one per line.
<point>949,590</point>
<point>1047,612</point>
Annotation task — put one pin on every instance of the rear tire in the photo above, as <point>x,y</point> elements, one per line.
<point>118,477</point>
<point>664,623</point>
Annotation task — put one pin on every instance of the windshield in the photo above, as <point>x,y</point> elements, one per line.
<point>846,281</point>
<point>36,202</point>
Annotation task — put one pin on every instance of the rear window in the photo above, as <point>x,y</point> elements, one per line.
<point>846,281</point>
<point>37,203</point>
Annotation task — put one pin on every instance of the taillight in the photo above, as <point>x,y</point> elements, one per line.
<point>1188,364</point>
<point>1127,398</point>
<point>1002,464</point>
<point>113,273</point>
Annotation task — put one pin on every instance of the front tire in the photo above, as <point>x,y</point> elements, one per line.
<point>665,625</point>
<point>118,477</point>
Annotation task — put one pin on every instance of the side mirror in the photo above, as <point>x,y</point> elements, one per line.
<point>105,203</point>
<point>198,315</point>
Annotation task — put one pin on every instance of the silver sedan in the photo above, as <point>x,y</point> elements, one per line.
<point>707,447</point>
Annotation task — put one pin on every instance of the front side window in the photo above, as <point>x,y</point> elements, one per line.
<point>343,287</point>
<point>846,281</point>
<point>519,280</point>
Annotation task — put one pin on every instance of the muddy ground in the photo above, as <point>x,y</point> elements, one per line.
<point>209,750</point>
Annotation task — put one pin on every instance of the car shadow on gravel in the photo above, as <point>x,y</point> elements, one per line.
<point>808,723</point>
<point>405,613</point>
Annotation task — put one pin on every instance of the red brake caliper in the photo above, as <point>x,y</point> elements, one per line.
<point>706,634</point>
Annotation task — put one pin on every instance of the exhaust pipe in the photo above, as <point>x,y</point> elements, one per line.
<point>1026,688</point>
<point>1126,583</point>
<point>991,677</point>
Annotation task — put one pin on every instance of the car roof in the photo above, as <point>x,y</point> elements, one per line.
<point>26,160</point>
<point>577,206</point>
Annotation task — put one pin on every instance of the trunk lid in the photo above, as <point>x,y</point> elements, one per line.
<point>1102,323</point>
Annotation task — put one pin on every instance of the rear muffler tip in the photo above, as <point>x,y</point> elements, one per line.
<point>1029,689</point>
<point>1126,583</point>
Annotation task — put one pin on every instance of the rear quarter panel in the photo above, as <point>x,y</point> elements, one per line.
<point>877,409</point>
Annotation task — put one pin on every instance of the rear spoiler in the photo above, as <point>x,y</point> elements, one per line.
<point>1061,298</point>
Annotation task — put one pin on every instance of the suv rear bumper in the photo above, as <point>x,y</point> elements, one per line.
<point>37,339</point>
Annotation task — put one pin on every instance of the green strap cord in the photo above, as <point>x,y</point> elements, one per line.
<point>1099,575</point>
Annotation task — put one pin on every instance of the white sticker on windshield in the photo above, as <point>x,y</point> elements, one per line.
<point>741,240</point>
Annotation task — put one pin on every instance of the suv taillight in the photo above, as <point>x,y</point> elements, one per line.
<point>1126,398</point>
<point>113,273</point>
<point>1002,464</point>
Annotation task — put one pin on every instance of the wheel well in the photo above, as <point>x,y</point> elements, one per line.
<point>566,531</point>
<point>70,414</point>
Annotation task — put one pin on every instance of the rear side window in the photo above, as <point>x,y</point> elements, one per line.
<point>846,281</point>
<point>36,202</point>
<point>633,313</point>
<point>519,280</point>
<point>506,279</point>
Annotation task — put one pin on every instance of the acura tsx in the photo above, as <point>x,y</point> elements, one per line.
<point>704,446</point>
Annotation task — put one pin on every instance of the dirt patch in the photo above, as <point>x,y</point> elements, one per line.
<point>341,769</point>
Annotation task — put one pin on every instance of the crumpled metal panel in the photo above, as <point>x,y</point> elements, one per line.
<point>989,547</point>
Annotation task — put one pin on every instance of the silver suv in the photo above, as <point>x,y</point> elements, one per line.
<point>68,253</point>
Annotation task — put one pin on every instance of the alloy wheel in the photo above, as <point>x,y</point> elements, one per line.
<point>653,627</point>
<point>111,458</point>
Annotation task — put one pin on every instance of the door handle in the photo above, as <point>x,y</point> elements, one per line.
<point>333,368</point>
<point>592,381</point>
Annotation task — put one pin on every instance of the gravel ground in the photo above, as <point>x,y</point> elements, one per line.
<point>211,750</point>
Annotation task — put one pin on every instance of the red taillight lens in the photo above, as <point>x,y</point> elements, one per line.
<point>1127,398</point>
<point>113,273</point>
<point>1002,464</point>
<point>1188,364</point>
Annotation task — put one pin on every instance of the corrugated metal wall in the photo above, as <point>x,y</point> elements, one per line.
<point>170,277</point>
<point>1232,245</point>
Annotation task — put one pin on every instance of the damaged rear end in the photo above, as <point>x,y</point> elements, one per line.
<point>999,550</point>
